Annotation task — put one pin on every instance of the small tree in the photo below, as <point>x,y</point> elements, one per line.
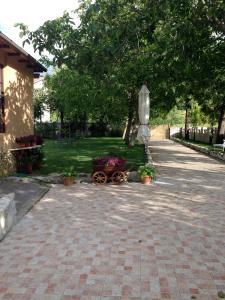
<point>40,99</point>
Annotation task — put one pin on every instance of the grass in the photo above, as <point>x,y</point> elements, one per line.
<point>79,153</point>
<point>207,146</point>
<point>204,145</point>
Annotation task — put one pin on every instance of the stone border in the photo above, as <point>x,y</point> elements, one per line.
<point>211,153</point>
<point>81,178</point>
<point>148,154</point>
<point>7,214</point>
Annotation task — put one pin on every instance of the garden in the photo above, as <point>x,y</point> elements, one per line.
<point>107,159</point>
<point>61,154</point>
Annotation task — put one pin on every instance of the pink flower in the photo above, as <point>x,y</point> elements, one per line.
<point>109,161</point>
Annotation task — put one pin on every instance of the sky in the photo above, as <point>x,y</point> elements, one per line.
<point>32,13</point>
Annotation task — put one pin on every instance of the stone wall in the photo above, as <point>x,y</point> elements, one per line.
<point>7,214</point>
<point>160,132</point>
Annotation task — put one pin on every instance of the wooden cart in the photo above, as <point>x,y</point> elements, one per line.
<point>103,173</point>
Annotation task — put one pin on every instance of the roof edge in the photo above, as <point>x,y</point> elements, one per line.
<point>38,66</point>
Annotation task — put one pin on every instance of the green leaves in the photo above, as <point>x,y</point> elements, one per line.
<point>176,47</point>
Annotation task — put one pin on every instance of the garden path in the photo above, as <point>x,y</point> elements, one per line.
<point>129,242</point>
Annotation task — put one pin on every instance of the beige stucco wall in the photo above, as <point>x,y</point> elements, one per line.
<point>18,88</point>
<point>160,132</point>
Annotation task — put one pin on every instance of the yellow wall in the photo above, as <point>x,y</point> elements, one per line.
<point>18,88</point>
<point>160,132</point>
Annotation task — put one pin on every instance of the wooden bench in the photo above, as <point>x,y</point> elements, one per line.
<point>220,145</point>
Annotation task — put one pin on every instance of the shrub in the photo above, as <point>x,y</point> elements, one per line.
<point>6,162</point>
<point>47,130</point>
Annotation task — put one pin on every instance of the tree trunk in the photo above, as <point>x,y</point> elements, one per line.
<point>134,132</point>
<point>125,130</point>
<point>221,126</point>
<point>211,134</point>
<point>129,126</point>
<point>186,129</point>
<point>132,113</point>
<point>84,124</point>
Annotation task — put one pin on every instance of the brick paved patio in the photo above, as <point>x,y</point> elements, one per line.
<point>164,241</point>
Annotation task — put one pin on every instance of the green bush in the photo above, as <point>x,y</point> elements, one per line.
<point>46,130</point>
<point>174,117</point>
<point>6,162</point>
<point>115,132</point>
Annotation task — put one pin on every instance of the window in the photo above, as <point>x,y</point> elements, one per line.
<point>2,102</point>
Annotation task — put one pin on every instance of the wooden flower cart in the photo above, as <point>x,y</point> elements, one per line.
<point>109,169</point>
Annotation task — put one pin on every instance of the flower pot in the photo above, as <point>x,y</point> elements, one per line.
<point>108,169</point>
<point>22,145</point>
<point>68,180</point>
<point>146,179</point>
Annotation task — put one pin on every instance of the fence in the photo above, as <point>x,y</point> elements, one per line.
<point>204,135</point>
<point>73,130</point>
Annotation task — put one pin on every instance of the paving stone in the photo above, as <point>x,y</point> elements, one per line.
<point>128,242</point>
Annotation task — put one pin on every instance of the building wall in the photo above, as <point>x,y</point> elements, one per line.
<point>18,88</point>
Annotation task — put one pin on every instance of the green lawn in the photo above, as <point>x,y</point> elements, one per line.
<point>207,146</point>
<point>79,153</point>
<point>204,145</point>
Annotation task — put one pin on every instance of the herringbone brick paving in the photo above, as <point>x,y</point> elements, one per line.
<point>164,241</point>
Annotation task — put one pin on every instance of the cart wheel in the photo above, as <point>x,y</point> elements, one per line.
<point>99,177</point>
<point>118,177</point>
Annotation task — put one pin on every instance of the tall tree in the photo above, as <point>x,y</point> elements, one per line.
<point>177,47</point>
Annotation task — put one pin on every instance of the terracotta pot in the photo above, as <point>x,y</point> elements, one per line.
<point>108,169</point>
<point>22,145</point>
<point>68,180</point>
<point>146,179</point>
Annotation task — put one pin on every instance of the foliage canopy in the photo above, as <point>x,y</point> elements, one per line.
<point>176,47</point>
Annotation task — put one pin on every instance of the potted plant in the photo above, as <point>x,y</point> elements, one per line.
<point>69,175</point>
<point>20,141</point>
<point>29,140</point>
<point>26,140</point>
<point>147,173</point>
